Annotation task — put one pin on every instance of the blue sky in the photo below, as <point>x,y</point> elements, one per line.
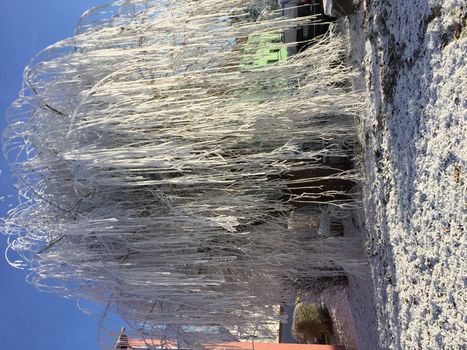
<point>30,319</point>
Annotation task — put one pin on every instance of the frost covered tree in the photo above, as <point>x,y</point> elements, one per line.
<point>157,166</point>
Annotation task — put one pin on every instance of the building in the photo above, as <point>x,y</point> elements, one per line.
<point>302,34</point>
<point>125,343</point>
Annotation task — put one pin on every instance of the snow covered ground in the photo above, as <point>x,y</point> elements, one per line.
<point>412,59</point>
